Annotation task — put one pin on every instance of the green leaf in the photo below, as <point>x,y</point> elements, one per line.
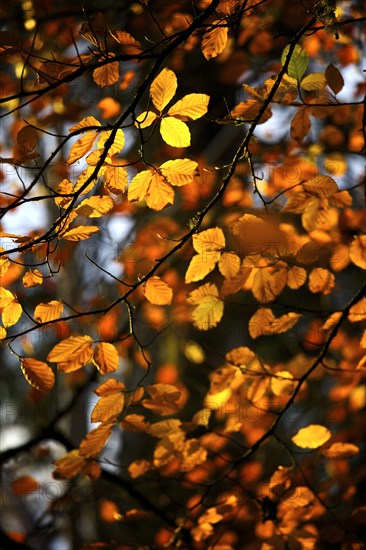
<point>298,63</point>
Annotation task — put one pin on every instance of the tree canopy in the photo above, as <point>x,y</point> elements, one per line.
<point>182,262</point>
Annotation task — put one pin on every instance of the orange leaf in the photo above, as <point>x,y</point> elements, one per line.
<point>263,322</point>
<point>321,280</point>
<point>165,392</point>
<point>267,285</point>
<point>357,312</point>
<point>72,353</point>
<point>81,147</point>
<point>340,451</point>
<point>357,251</point>
<point>38,374</point>
<point>159,193</point>
<point>300,125</point>
<point>106,358</point>
<point>214,41</point>
<point>95,207</point>
<point>11,314</point>
<point>48,312</point>
<point>110,387</point>
<point>108,408</point>
<point>27,138</point>
<point>85,123</point>
<point>124,38</point>
<point>80,233</point>
<point>138,468</point>
<point>32,278</point>
<point>24,485</point>
<point>158,292</point>
<point>95,440</point>
<point>321,186</point>
<point>107,75</point>
<point>69,465</point>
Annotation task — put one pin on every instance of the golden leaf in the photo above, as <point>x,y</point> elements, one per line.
<point>24,485</point>
<point>263,322</point>
<point>139,185</point>
<point>135,423</point>
<point>49,311</point>
<point>312,436</point>
<point>118,141</point>
<point>106,358</point>
<point>158,292</point>
<point>32,278</point>
<point>81,147</point>
<point>11,314</point>
<point>267,285</point>
<point>110,387</point>
<point>165,392</point>
<point>221,379</point>
<point>95,207</point>
<point>175,132</point>
<point>107,75</point>
<point>125,38</point>
<point>162,408</point>
<point>74,348</point>
<point>145,119</point>
<point>229,264</point>
<point>82,179</point>
<point>321,280</point>
<point>315,213</point>
<point>258,388</point>
<point>190,107</point>
<point>199,267</point>
<point>159,193</point>
<point>95,440</point>
<point>108,408</point>
<point>38,374</point>
<point>6,297</point>
<point>209,308</point>
<point>357,251</point>
<point>163,88</point>
<point>340,451</point>
<point>282,382</point>
<point>313,81</point>
<point>332,320</point>
<point>240,357</point>
<point>80,233</point>
<point>209,242</point>
<point>296,277</point>
<point>2,333</point>
<point>85,123</point>
<point>321,186</point>
<point>214,40</point>
<point>179,172</point>
<point>248,111</point>
<point>138,468</point>
<point>69,465</point>
<point>115,179</point>
<point>357,312</point>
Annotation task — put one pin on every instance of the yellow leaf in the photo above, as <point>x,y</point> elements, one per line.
<point>341,199</point>
<point>214,40</point>
<point>145,119</point>
<point>200,266</point>
<point>209,242</point>
<point>357,312</point>
<point>240,357</point>
<point>267,285</point>
<point>2,333</point>
<point>312,436</point>
<point>73,348</point>
<point>107,75</point>
<point>82,179</point>
<point>179,172</point>
<point>108,408</point>
<point>257,388</point>
<point>138,468</point>
<point>313,81</point>
<point>81,147</point>
<point>6,297</point>
<point>321,186</point>
<point>11,314</point>
<point>190,107</point>
<point>282,383</point>
<point>159,193</point>
<point>95,207</point>
<point>357,251</point>
<point>118,141</point>
<point>163,88</point>
<point>80,233</point>
<point>208,306</point>
<point>38,374</point>
<point>340,451</point>
<point>332,320</point>
<point>110,387</point>
<point>321,280</point>
<point>139,185</point>
<point>49,311</point>
<point>158,292</point>
<point>315,213</point>
<point>106,357</point>
<point>296,277</point>
<point>229,264</point>
<point>95,440</point>
<point>115,179</point>
<point>263,322</point>
<point>85,123</point>
<point>32,278</point>
<point>175,132</point>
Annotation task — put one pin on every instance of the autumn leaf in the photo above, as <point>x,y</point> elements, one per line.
<point>158,292</point>
<point>300,125</point>
<point>145,119</point>
<point>357,312</point>
<point>341,451</point>
<point>105,358</point>
<point>311,437</point>
<point>190,107</point>
<point>110,387</point>
<point>32,278</point>
<point>209,308</point>
<point>95,207</point>
<point>267,285</point>
<point>163,88</point>
<point>357,251</point>
<point>175,132</point>
<point>263,322</point>
<point>313,81</point>
<point>334,78</point>
<point>178,172</point>
<point>11,313</point>
<point>72,353</point>
<point>321,280</point>
<point>38,374</point>
<point>24,485</point>
<point>214,40</point>
<point>95,440</point>
<point>80,233</point>
<point>107,74</point>
<point>48,312</point>
<point>282,383</point>
<point>108,408</point>
<point>138,468</point>
<point>81,147</point>
<point>321,186</point>
<point>298,61</point>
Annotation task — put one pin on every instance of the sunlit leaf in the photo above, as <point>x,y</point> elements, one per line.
<point>298,62</point>
<point>163,88</point>
<point>214,40</point>
<point>138,468</point>
<point>139,185</point>
<point>357,312</point>
<point>209,308</point>
<point>190,107</point>
<point>80,233</point>
<point>108,408</point>
<point>95,440</point>
<point>313,81</point>
<point>81,147</point>
<point>38,374</point>
<point>357,251</point>
<point>311,437</point>
<point>32,278</point>
<point>106,357</point>
<point>179,171</point>
<point>11,314</point>
<point>175,132</point>
<point>341,451</point>
<point>145,119</point>
<point>49,311</point>
<point>95,207</point>
<point>159,193</point>
<point>321,186</point>
<point>321,280</point>
<point>158,292</point>
<point>107,74</point>
<point>73,348</point>
<point>110,387</point>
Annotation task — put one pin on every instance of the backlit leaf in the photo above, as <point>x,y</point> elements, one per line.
<point>199,267</point>
<point>214,40</point>
<point>298,62</point>
<point>179,172</point>
<point>313,81</point>
<point>159,193</point>
<point>190,107</point>
<point>106,357</point>
<point>80,233</point>
<point>110,387</point>
<point>38,374</point>
<point>69,465</point>
<point>139,185</point>
<point>282,383</point>
<point>267,286</point>
<point>165,392</point>
<point>85,123</point>
<point>72,348</point>
<point>321,280</point>
<point>138,468</point>
<point>107,75</point>
<point>125,38</point>
<point>357,251</point>
<point>263,322</point>
<point>108,408</point>
<point>158,292</point>
<point>229,264</point>
<point>116,179</point>
<point>81,147</point>
<point>341,451</point>
<point>296,277</point>
<point>145,119</point>
<point>49,311</point>
<point>95,440</point>
<point>11,314</point>
<point>300,125</point>
<point>117,144</point>
<point>95,207</point>
<point>321,186</point>
<point>175,132</point>
<point>357,312</point>
<point>32,278</point>
<point>209,308</point>
<point>312,436</point>
<point>163,88</point>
